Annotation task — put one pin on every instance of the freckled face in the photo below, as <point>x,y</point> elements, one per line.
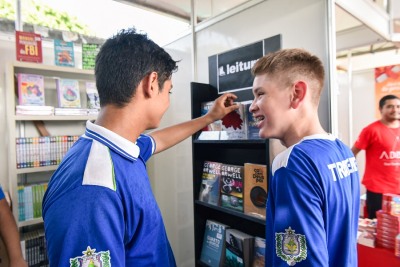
<point>271,107</point>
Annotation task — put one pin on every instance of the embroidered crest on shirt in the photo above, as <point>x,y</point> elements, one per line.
<point>291,247</point>
<point>92,259</point>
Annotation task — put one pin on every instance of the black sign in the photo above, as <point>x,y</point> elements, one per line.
<point>231,70</point>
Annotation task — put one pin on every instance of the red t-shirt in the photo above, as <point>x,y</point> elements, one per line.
<point>382,149</point>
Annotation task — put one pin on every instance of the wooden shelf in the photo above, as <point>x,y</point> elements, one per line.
<point>16,126</point>
<point>36,169</point>
<point>54,118</point>
<point>30,222</point>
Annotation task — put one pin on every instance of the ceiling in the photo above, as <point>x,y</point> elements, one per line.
<point>182,8</point>
<point>346,24</point>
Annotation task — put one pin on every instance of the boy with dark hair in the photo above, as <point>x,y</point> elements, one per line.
<point>99,209</point>
<point>313,196</point>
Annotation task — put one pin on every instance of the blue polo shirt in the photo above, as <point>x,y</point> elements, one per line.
<point>313,205</point>
<point>1,193</point>
<point>99,207</point>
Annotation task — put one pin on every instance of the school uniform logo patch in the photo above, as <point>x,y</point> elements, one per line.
<point>291,247</point>
<point>92,259</point>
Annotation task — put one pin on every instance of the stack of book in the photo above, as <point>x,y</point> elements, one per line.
<point>33,246</point>
<point>34,110</point>
<point>367,232</point>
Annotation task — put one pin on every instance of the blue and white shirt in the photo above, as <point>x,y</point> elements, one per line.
<point>313,205</point>
<point>99,207</point>
<point>1,193</point>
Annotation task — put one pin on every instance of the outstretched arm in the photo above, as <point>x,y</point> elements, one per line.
<point>170,136</point>
<point>355,150</point>
<point>10,236</point>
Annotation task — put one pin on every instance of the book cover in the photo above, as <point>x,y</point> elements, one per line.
<point>234,125</point>
<point>213,249</point>
<point>28,46</point>
<point>250,124</point>
<point>64,53</point>
<point>255,189</point>
<point>213,130</point>
<point>89,53</point>
<point>259,252</point>
<point>68,93</point>
<point>93,100</point>
<point>30,89</point>
<point>232,186</point>
<point>239,248</point>
<point>209,188</point>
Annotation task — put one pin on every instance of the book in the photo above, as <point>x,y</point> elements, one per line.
<point>64,53</point>
<point>68,93</point>
<point>259,252</point>
<point>250,124</point>
<point>70,111</point>
<point>255,189</point>
<point>239,248</point>
<point>210,184</point>
<point>34,110</point>
<point>231,127</point>
<point>213,249</point>
<point>213,130</point>
<point>89,53</point>
<point>234,125</point>
<point>232,186</point>
<point>30,89</point>
<point>93,100</point>
<point>28,46</point>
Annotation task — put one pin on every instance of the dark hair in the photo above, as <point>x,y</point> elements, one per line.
<point>383,100</point>
<point>288,64</point>
<point>124,60</point>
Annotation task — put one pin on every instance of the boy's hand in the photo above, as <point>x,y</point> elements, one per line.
<point>223,105</point>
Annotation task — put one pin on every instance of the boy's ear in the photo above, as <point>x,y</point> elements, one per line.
<point>299,93</point>
<point>150,84</point>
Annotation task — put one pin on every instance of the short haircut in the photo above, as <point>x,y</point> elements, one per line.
<point>124,60</point>
<point>288,65</point>
<point>383,100</point>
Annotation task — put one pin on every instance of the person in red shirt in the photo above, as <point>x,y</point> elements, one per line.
<point>381,142</point>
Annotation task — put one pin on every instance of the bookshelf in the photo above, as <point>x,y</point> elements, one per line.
<point>23,125</point>
<point>235,152</point>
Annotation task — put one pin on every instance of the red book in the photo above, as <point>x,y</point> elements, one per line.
<point>28,46</point>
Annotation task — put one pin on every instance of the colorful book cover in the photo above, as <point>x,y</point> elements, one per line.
<point>93,100</point>
<point>89,53</point>
<point>213,130</point>
<point>209,188</point>
<point>251,128</point>
<point>239,248</point>
<point>259,252</point>
<point>232,186</point>
<point>213,249</point>
<point>255,189</point>
<point>28,46</point>
<point>64,53</point>
<point>233,125</point>
<point>30,89</point>
<point>68,93</point>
